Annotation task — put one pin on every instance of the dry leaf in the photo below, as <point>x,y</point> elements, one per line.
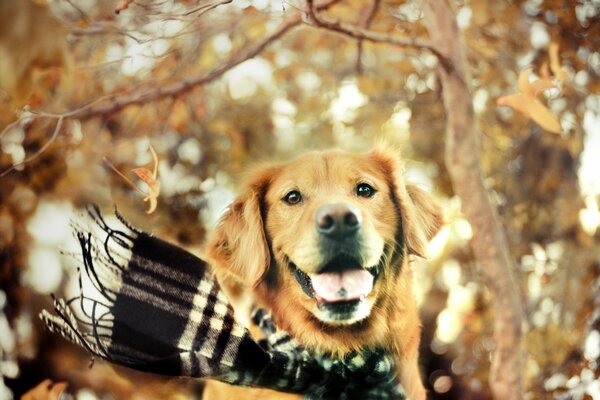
<point>542,116</point>
<point>528,104</point>
<point>153,186</point>
<point>149,178</point>
<point>45,390</point>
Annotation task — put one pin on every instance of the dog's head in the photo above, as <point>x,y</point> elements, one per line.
<point>325,236</point>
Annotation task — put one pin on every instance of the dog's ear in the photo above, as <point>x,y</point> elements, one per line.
<point>421,215</point>
<point>239,245</point>
<point>423,223</point>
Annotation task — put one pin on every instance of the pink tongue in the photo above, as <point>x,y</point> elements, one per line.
<point>342,286</point>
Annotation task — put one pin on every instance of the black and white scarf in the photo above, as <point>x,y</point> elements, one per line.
<point>152,306</point>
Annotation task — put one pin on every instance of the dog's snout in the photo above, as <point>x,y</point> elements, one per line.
<point>338,220</point>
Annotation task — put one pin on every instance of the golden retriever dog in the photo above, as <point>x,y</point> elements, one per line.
<point>324,242</point>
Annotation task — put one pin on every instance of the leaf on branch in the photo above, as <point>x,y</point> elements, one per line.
<point>526,102</point>
<point>45,390</point>
<point>148,177</point>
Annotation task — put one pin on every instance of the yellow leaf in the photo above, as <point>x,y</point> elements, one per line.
<point>526,103</point>
<point>146,175</point>
<point>542,116</point>
<point>149,177</point>
<point>153,203</point>
<point>523,84</point>
<point>515,101</point>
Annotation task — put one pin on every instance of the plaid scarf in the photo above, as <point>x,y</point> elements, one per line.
<point>152,306</point>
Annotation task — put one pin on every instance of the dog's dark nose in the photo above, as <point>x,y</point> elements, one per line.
<point>338,221</point>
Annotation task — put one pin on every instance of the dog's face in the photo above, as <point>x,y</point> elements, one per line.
<point>325,236</point>
<point>333,224</point>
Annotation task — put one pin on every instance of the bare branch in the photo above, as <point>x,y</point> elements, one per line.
<point>365,24</point>
<point>40,151</point>
<point>118,102</point>
<point>207,7</point>
<point>356,32</point>
<point>110,104</point>
<point>463,162</point>
<point>123,5</point>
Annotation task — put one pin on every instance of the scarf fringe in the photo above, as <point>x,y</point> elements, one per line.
<point>85,320</point>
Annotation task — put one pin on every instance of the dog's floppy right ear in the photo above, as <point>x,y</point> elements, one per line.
<point>239,244</point>
<point>421,216</point>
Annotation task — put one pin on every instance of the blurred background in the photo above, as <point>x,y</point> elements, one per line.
<point>89,89</point>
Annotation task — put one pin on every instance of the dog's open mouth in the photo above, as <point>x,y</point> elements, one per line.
<point>342,282</point>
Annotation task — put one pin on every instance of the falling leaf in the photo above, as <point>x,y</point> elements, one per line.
<point>148,177</point>
<point>542,116</point>
<point>45,390</point>
<point>528,104</point>
<point>555,65</point>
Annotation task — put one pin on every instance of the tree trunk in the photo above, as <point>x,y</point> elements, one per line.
<point>464,167</point>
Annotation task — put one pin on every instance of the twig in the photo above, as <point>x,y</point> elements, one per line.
<point>356,32</point>
<point>122,175</point>
<point>365,25</point>
<point>203,9</point>
<point>118,102</point>
<point>81,13</point>
<point>40,151</point>
<point>110,104</point>
<point>123,5</point>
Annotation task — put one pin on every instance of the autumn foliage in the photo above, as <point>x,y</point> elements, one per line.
<point>159,108</point>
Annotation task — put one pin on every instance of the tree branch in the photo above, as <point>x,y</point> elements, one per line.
<point>372,11</point>
<point>53,137</point>
<point>464,166</point>
<point>116,103</point>
<point>356,32</point>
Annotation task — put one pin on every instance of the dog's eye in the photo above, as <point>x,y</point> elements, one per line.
<point>365,190</point>
<point>293,197</point>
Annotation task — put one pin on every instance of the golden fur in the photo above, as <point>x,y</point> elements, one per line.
<point>260,234</point>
